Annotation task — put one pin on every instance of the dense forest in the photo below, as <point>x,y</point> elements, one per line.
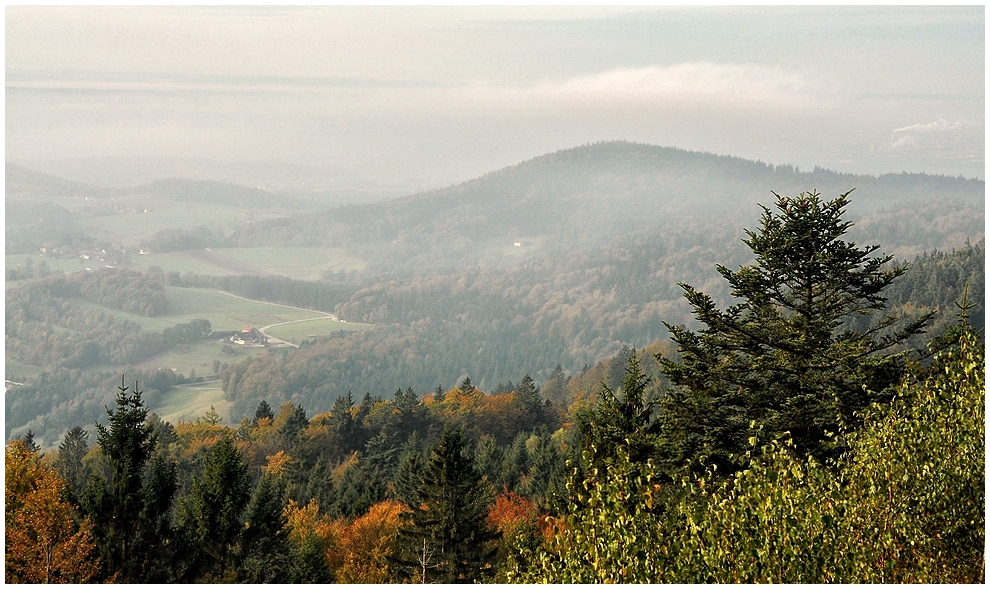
<point>817,417</point>
<point>605,234</point>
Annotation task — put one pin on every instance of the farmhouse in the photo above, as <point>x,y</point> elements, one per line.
<point>249,335</point>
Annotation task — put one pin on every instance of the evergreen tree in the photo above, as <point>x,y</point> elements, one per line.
<point>405,485</point>
<point>263,544</point>
<point>547,474</point>
<point>342,422</point>
<point>535,411</point>
<point>263,411</point>
<point>555,387</point>
<point>627,422</point>
<point>212,513</point>
<point>131,516</point>
<point>446,537</point>
<point>29,443</point>
<point>291,420</point>
<point>781,358</point>
<point>71,451</point>
<point>515,461</point>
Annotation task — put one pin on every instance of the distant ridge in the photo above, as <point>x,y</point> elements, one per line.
<point>23,182</point>
<point>594,191</point>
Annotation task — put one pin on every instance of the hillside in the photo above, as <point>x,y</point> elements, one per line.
<point>605,233</point>
<point>579,197</point>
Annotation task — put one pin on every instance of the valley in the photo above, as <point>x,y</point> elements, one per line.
<point>564,259</point>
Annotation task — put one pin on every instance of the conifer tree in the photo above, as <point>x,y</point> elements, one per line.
<point>264,411</point>
<point>263,544</point>
<point>782,358</point>
<point>625,420</point>
<point>446,537</point>
<point>212,513</point>
<point>131,511</point>
<point>71,451</point>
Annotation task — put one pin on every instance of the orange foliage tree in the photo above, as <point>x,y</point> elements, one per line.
<point>43,544</point>
<point>363,548</point>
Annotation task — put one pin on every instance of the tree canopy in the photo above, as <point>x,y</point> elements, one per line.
<point>786,358</point>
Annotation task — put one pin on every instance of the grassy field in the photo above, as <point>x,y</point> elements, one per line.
<point>14,261</point>
<point>225,313</point>
<point>186,403</point>
<point>199,357</point>
<point>300,263</point>
<point>296,332</point>
<point>15,367</point>
<point>130,224</point>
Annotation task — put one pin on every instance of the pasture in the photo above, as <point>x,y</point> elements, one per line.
<point>187,402</point>
<point>297,331</point>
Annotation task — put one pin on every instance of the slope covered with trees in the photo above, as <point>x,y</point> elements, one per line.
<point>460,484</point>
<point>605,233</point>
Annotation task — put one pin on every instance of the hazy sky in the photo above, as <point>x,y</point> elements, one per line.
<point>447,94</point>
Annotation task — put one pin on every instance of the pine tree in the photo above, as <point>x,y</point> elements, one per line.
<point>264,411</point>
<point>263,543</point>
<point>446,537</point>
<point>783,359</point>
<point>29,443</point>
<point>623,422</point>
<point>131,511</point>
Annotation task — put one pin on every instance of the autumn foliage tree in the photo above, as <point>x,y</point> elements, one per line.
<point>43,544</point>
<point>363,547</point>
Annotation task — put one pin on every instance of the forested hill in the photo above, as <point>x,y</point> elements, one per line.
<point>21,182</point>
<point>580,196</point>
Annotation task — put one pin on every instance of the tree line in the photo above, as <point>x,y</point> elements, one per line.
<point>787,444</point>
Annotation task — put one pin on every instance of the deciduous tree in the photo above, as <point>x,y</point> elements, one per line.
<point>42,542</point>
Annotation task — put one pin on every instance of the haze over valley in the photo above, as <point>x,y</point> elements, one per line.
<point>512,294</point>
<point>563,260</point>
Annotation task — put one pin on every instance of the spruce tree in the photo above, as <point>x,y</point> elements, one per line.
<point>71,451</point>
<point>445,537</point>
<point>212,513</point>
<point>264,547</point>
<point>131,511</point>
<point>784,358</point>
<point>264,411</point>
<point>625,420</point>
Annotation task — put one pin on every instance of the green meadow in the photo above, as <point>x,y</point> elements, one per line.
<point>187,402</point>
<point>225,312</point>
<point>297,331</point>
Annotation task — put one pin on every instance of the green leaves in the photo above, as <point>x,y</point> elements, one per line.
<point>905,503</point>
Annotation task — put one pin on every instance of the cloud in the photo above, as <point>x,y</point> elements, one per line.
<point>696,86</point>
<point>938,136</point>
<point>940,125</point>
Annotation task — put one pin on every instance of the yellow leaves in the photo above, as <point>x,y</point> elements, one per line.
<point>357,552</point>
<point>277,463</point>
<point>42,544</point>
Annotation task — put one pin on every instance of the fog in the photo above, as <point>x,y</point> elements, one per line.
<point>420,97</point>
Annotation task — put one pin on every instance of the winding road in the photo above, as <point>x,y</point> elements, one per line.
<point>261,330</point>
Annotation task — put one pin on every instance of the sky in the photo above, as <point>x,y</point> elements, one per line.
<point>437,95</point>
